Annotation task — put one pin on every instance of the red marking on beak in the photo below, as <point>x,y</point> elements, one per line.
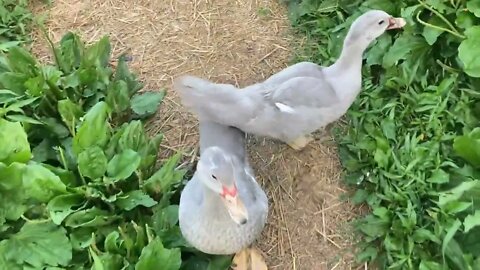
<point>231,192</point>
<point>391,22</point>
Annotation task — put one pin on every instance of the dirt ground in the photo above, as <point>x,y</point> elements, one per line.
<point>239,42</point>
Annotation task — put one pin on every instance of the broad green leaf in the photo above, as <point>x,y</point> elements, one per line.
<point>14,146</point>
<point>5,46</point>
<point>196,263</point>
<point>4,263</point>
<point>12,199</point>
<point>92,162</point>
<point>429,265</point>
<point>14,81</point>
<point>468,52</point>
<point>122,73</point>
<point>431,34</point>
<point>36,86</point>
<point>110,261</point>
<point>468,147</point>
<point>155,254</point>
<point>165,178</point>
<point>82,238</point>
<point>455,207</point>
<point>465,19</point>
<point>369,254</point>
<point>93,217</point>
<point>71,48</point>
<point>388,128</point>
<point>386,6</point>
<point>97,263</point>
<point>222,262</point>
<point>133,136</point>
<point>111,244</point>
<point>62,206</point>
<point>122,165</point>
<point>21,60</point>
<point>41,184</point>
<point>98,54</point>
<point>16,106</point>
<point>360,196</point>
<point>401,48</point>
<point>165,218</point>
<point>422,235</point>
<point>474,7</point>
<point>135,198</point>
<point>450,234</point>
<point>52,75</point>
<point>70,113</point>
<point>147,104</point>
<point>40,245</point>
<point>455,254</point>
<point>471,221</point>
<point>456,193</point>
<point>55,127</point>
<point>23,119</point>
<point>373,226</point>
<point>118,96</point>
<point>439,177</point>
<point>94,129</point>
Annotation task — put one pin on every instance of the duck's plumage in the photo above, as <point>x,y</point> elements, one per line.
<point>204,220</point>
<point>297,100</point>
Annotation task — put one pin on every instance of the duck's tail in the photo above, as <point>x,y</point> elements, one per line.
<point>221,103</point>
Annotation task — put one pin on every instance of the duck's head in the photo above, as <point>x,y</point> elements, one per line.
<point>216,171</point>
<point>370,26</point>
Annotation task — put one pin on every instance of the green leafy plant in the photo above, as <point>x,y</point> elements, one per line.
<point>15,20</point>
<point>79,183</point>
<point>411,144</point>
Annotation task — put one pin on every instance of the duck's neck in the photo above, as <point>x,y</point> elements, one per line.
<point>346,72</point>
<point>350,57</point>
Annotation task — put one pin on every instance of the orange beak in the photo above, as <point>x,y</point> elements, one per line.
<point>395,23</point>
<point>236,208</point>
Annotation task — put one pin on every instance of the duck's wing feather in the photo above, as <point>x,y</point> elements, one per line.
<point>304,92</point>
<point>302,69</point>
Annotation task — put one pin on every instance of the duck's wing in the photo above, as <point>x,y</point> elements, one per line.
<point>302,69</point>
<point>221,103</point>
<point>304,92</point>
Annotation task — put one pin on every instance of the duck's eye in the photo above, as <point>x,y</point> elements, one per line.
<point>214,177</point>
<point>381,22</point>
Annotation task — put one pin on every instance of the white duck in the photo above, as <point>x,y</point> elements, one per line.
<point>298,100</point>
<point>222,208</point>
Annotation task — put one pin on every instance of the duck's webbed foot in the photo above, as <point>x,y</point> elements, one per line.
<point>300,142</point>
<point>249,259</point>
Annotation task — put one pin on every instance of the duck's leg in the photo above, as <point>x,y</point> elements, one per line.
<point>300,142</point>
<point>249,259</point>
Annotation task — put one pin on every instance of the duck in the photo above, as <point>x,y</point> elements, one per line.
<point>297,101</point>
<point>222,208</point>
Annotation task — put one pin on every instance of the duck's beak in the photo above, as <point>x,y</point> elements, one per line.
<point>234,205</point>
<point>395,23</point>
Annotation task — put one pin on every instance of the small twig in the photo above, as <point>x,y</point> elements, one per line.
<point>267,55</point>
<point>335,266</point>
<point>323,225</point>
<point>328,239</point>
